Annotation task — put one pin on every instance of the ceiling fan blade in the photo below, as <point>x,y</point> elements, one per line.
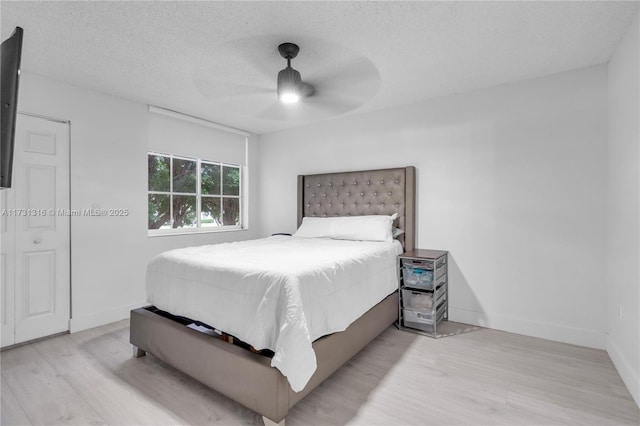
<point>331,105</point>
<point>234,68</point>
<point>344,85</point>
<point>351,67</point>
<point>221,89</point>
<point>309,109</point>
<point>256,53</point>
<point>279,112</point>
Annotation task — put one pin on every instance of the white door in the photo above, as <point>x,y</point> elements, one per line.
<point>41,239</point>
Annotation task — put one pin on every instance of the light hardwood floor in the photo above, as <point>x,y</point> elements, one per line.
<point>477,377</point>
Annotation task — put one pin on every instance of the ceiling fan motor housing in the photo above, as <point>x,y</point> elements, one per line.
<point>288,81</point>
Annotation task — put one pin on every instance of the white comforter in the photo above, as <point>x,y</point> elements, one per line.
<point>279,293</point>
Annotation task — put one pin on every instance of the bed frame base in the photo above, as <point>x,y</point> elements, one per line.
<point>246,377</point>
<point>137,352</point>
<point>268,422</point>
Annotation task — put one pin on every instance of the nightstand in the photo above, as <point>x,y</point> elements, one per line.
<point>423,291</point>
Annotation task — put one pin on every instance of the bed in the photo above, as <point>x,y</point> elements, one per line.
<point>247,377</point>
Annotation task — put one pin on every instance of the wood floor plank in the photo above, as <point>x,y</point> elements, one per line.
<point>473,376</point>
<point>11,413</point>
<point>120,331</point>
<point>43,394</point>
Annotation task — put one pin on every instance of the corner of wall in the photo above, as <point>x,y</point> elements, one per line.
<point>623,210</point>
<point>625,369</point>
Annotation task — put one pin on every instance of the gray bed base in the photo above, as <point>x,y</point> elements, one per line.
<point>246,377</point>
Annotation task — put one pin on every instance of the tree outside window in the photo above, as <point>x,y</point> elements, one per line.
<point>192,193</point>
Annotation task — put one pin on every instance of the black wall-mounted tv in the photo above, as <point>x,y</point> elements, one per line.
<point>9,80</point>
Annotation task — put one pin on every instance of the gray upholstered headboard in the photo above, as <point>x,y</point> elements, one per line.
<point>369,192</point>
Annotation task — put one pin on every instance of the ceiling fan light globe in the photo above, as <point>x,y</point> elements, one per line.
<point>289,97</point>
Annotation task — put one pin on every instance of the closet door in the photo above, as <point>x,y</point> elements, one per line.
<point>41,230</point>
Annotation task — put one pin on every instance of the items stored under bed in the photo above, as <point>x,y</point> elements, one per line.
<point>210,331</point>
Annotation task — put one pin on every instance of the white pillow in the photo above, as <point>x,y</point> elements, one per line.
<point>358,228</point>
<point>364,228</point>
<point>315,227</point>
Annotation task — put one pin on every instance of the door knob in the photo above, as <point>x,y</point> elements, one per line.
<point>37,241</point>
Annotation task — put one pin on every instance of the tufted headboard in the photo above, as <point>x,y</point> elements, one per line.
<point>370,192</point>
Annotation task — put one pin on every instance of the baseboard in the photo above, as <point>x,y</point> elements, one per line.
<point>628,375</point>
<point>575,336</point>
<point>85,322</point>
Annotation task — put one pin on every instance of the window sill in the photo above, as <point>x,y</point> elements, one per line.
<point>194,232</point>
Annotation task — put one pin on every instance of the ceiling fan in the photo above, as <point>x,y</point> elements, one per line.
<point>252,81</point>
<point>290,87</point>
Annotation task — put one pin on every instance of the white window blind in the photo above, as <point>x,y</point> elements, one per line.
<point>180,134</point>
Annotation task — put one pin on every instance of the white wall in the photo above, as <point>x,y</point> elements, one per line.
<point>623,211</point>
<point>511,180</point>
<point>109,140</point>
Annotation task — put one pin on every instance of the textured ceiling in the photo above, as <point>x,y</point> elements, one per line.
<point>219,60</point>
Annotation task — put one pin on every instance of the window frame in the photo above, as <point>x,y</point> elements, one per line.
<point>198,194</point>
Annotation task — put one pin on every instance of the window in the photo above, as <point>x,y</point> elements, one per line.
<point>193,194</point>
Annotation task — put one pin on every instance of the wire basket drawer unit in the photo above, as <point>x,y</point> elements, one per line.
<point>423,290</point>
